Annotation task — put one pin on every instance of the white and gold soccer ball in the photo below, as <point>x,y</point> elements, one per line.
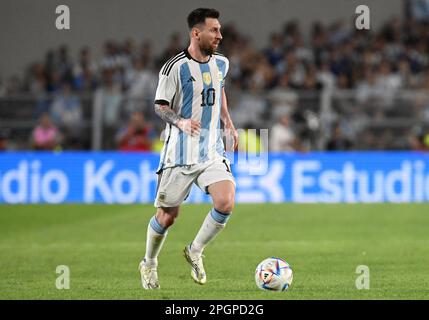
<point>273,274</point>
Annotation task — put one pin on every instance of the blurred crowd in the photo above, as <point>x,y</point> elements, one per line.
<point>278,87</point>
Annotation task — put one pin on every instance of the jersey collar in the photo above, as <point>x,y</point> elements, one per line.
<point>188,55</point>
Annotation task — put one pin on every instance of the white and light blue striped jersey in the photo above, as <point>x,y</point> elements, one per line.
<point>193,90</point>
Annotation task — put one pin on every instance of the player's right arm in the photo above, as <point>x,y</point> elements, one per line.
<point>167,114</point>
<point>167,86</point>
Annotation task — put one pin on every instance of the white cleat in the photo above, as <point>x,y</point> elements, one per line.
<point>196,262</point>
<point>149,276</point>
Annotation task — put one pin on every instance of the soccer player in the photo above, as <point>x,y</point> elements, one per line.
<point>191,99</point>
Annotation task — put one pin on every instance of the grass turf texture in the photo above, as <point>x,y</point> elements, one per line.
<point>103,244</point>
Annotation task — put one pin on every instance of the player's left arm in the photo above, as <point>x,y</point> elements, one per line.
<point>227,121</point>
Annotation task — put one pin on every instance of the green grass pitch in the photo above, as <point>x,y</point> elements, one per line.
<point>103,244</point>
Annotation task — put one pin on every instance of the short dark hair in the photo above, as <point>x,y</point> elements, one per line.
<point>199,16</point>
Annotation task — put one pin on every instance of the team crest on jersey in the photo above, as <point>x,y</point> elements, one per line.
<point>207,78</point>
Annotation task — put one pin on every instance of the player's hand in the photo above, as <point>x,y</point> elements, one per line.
<point>189,126</point>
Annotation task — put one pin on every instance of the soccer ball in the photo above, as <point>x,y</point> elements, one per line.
<point>273,274</point>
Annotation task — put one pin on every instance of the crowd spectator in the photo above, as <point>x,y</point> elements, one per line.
<point>282,136</point>
<point>4,139</point>
<point>251,107</point>
<point>45,136</point>
<point>338,141</point>
<point>282,98</point>
<point>84,72</point>
<point>66,113</point>
<point>141,83</point>
<point>136,135</point>
<point>420,143</point>
<point>66,109</point>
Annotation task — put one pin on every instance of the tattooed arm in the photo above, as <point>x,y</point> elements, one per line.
<point>167,114</point>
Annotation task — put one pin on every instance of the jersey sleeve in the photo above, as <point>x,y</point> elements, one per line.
<point>223,65</point>
<point>226,68</point>
<point>166,87</point>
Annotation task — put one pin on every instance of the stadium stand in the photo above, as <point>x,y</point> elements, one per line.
<point>342,89</point>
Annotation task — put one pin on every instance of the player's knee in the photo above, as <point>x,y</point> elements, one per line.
<point>166,217</point>
<point>225,203</point>
<point>166,220</point>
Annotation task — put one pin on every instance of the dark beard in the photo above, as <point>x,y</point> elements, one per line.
<point>207,51</point>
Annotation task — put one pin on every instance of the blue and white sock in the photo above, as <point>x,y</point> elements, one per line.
<point>155,237</point>
<point>214,223</point>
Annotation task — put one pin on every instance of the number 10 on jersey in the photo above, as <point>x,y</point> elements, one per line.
<point>208,97</point>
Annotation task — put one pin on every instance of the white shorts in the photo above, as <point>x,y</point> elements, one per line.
<point>174,184</point>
